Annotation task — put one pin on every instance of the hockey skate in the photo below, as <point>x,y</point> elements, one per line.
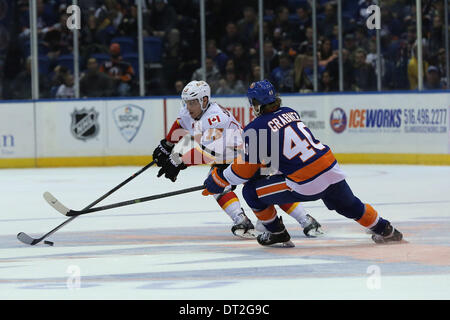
<point>276,239</point>
<point>389,234</point>
<point>259,227</point>
<point>312,228</point>
<point>243,227</point>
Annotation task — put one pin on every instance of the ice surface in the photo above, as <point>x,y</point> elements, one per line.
<point>182,247</point>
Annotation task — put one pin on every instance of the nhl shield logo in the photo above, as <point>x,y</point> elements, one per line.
<point>84,124</point>
<point>128,119</point>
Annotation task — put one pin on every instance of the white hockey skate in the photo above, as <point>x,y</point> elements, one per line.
<point>312,228</point>
<point>243,227</point>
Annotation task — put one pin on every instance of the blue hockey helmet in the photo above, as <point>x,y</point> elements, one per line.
<point>261,91</point>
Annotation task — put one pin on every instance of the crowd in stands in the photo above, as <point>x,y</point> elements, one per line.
<point>172,48</point>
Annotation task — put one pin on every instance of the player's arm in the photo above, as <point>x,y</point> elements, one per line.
<point>165,146</point>
<point>238,172</point>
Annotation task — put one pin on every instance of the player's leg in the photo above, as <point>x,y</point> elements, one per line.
<point>340,197</point>
<point>311,228</point>
<point>230,204</point>
<point>261,196</point>
<point>268,190</point>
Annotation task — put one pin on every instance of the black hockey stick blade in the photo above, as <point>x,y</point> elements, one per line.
<point>23,237</point>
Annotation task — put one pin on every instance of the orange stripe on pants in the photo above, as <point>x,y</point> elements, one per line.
<point>264,191</point>
<point>369,217</point>
<point>266,214</point>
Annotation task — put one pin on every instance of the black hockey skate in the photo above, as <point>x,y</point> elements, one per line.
<point>312,228</point>
<point>389,234</point>
<point>243,227</point>
<point>279,239</point>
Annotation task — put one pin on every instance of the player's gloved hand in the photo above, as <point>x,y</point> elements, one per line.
<point>162,152</point>
<point>215,183</point>
<point>171,167</point>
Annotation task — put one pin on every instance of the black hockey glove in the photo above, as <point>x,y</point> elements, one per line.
<point>162,152</point>
<point>171,167</point>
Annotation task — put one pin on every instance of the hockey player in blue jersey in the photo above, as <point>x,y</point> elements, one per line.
<point>306,171</point>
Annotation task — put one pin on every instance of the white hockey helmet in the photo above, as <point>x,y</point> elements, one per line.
<point>196,90</point>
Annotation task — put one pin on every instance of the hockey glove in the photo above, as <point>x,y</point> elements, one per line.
<point>162,152</point>
<point>215,183</point>
<point>171,167</point>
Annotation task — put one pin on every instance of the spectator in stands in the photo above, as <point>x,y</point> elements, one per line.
<point>326,83</point>
<point>350,43</point>
<point>230,85</point>
<point>281,26</point>
<point>121,72</point>
<point>219,58</point>
<point>441,65</point>
<point>283,76</point>
<point>301,80</point>
<point>67,89</point>
<point>106,21</point>
<point>212,74</point>
<point>21,85</point>
<point>91,40</point>
<point>163,18</point>
<point>241,62</point>
<point>432,79</point>
<point>231,38</point>
<point>364,73</point>
<point>326,54</point>
<point>330,20</point>
<point>230,66</point>
<point>255,75</point>
<point>248,26</point>
<point>128,26</point>
<point>436,35</point>
<point>176,58</point>
<point>59,39</point>
<point>298,27</point>
<point>57,79</point>
<point>179,86</point>
<point>413,69</point>
<point>271,58</point>
<point>361,38</point>
<point>94,83</point>
<point>306,47</point>
<point>348,74</point>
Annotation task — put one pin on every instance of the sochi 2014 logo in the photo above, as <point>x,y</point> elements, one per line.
<point>338,120</point>
<point>128,119</point>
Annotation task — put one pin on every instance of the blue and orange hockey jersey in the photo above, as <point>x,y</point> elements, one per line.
<point>281,141</point>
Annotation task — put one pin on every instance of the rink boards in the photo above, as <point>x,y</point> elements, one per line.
<point>407,128</point>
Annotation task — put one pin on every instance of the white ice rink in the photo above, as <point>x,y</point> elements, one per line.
<point>182,247</point>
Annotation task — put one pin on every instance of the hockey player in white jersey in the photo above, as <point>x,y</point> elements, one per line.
<point>207,133</point>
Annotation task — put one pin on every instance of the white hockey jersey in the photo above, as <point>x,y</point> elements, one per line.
<point>216,137</point>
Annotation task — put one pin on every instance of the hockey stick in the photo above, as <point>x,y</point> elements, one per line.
<point>23,237</point>
<point>74,213</point>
